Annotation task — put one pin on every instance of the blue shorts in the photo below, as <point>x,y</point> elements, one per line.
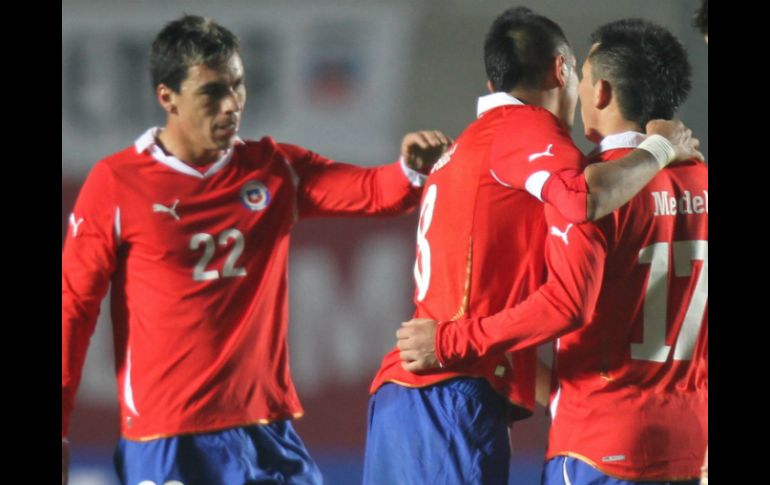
<point>454,432</point>
<point>263,454</point>
<point>565,470</point>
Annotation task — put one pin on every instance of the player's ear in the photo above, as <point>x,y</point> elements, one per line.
<point>602,93</point>
<point>490,86</point>
<point>166,98</point>
<point>560,70</point>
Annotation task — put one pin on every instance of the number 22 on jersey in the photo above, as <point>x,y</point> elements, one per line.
<point>200,273</point>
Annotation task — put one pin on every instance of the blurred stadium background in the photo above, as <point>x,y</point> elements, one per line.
<point>346,79</point>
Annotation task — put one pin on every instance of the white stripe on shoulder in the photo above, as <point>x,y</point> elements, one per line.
<point>494,175</point>
<point>294,176</point>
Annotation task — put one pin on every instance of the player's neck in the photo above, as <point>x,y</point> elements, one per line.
<point>545,98</point>
<point>174,143</point>
<point>614,124</point>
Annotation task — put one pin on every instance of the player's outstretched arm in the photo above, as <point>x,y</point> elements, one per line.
<point>539,156</point>
<point>575,258</point>
<point>612,184</point>
<point>329,188</point>
<point>425,344</point>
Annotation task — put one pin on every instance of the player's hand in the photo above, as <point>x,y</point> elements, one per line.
<point>416,341</point>
<point>421,149</point>
<point>685,145</point>
<point>65,461</point>
<point>704,470</point>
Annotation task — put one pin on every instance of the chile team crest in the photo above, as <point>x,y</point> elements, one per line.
<point>255,195</point>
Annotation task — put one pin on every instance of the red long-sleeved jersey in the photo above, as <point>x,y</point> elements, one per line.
<point>198,267</point>
<point>481,235</point>
<point>632,397</point>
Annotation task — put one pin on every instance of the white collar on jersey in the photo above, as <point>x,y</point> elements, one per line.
<point>148,142</point>
<point>627,139</point>
<point>494,100</point>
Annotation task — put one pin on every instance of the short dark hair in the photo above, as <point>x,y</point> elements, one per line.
<point>520,47</point>
<point>189,41</point>
<point>645,64</point>
<point>701,19</point>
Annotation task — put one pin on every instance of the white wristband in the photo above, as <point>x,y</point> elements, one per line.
<point>660,148</point>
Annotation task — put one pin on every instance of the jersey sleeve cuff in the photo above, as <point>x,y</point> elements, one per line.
<point>440,343</point>
<point>416,179</point>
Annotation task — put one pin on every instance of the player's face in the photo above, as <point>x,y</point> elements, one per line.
<point>210,104</point>
<point>588,110</point>
<point>569,95</point>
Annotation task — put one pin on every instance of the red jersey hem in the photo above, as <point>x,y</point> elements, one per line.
<point>523,407</point>
<point>639,477</point>
<point>186,431</point>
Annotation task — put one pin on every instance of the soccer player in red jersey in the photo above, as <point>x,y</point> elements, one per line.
<point>190,226</point>
<point>480,249</point>
<point>626,297</point>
